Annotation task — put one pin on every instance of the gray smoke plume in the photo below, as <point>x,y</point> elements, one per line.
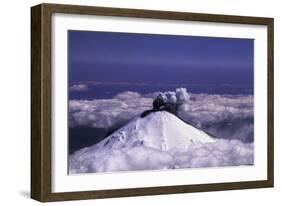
<point>171,101</point>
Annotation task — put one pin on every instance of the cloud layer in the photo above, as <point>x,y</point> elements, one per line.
<point>79,87</point>
<point>219,153</point>
<point>106,113</point>
<point>224,116</point>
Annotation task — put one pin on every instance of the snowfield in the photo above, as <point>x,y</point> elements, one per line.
<point>160,140</point>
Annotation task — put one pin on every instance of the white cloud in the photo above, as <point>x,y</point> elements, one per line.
<point>209,108</point>
<point>225,116</point>
<point>219,153</point>
<point>79,87</point>
<point>105,113</point>
<point>128,96</point>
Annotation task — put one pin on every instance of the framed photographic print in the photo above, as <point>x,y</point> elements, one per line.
<point>130,102</point>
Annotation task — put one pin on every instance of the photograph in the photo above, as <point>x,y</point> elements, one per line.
<point>141,101</point>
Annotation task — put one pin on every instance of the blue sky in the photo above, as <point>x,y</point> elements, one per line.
<point>165,59</point>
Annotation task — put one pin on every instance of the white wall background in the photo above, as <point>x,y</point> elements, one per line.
<point>15,102</point>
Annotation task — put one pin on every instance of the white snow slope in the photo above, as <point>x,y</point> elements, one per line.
<point>159,141</point>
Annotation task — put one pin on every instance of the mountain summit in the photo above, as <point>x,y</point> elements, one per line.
<point>160,130</point>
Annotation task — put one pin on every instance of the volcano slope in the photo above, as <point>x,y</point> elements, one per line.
<point>159,141</point>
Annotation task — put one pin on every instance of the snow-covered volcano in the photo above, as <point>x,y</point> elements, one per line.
<point>159,130</point>
<point>159,140</point>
